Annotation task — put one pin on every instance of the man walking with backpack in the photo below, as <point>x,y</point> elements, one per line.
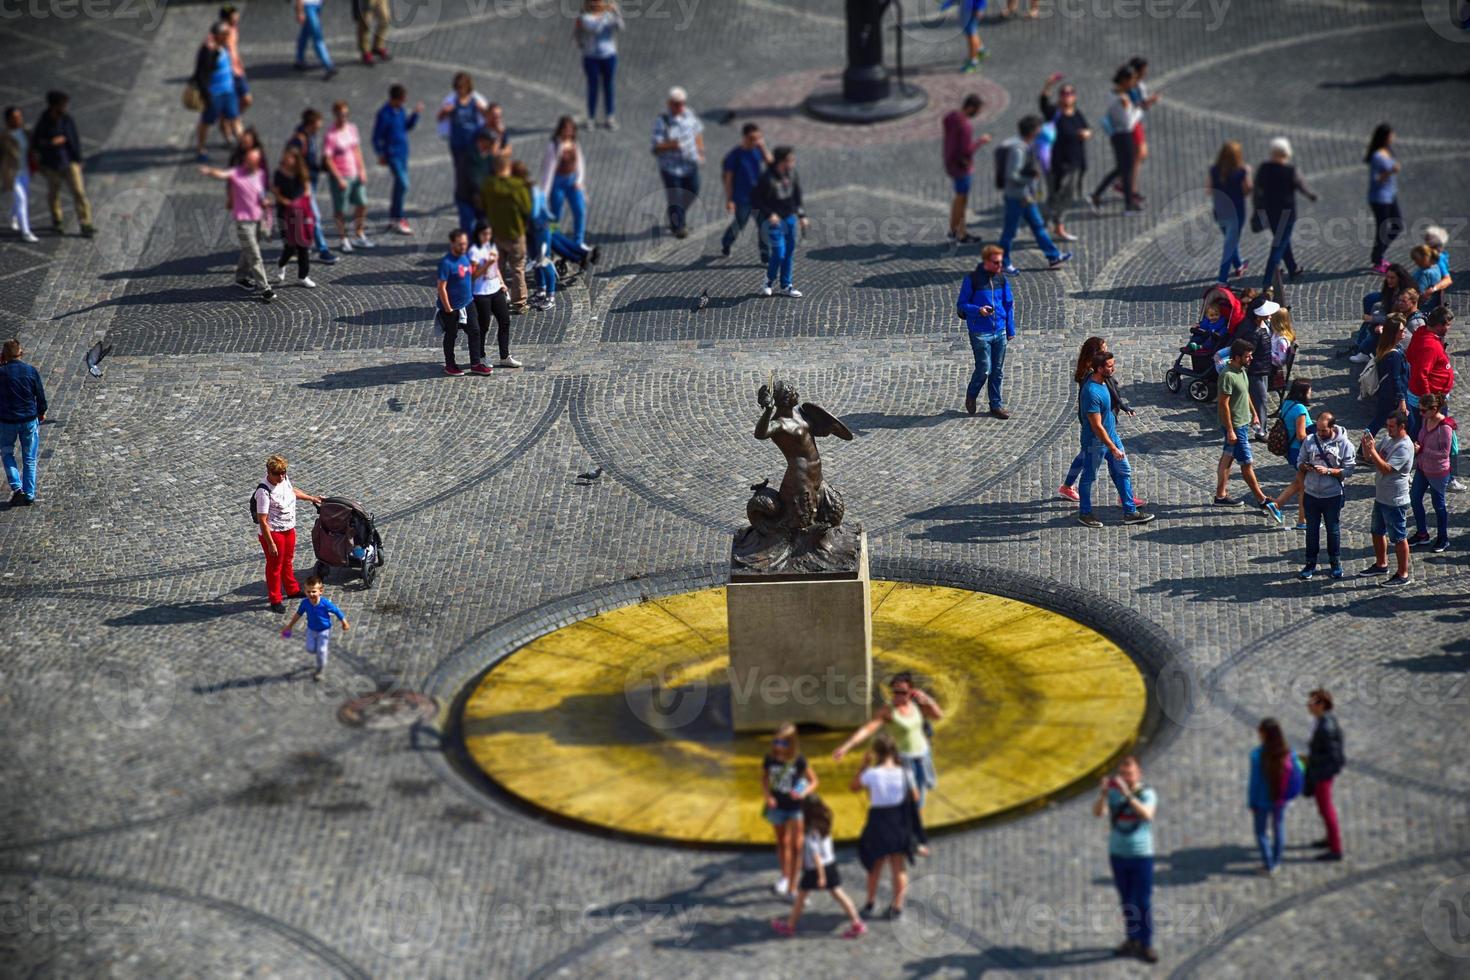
<point>1018,178</point>
<point>989,311</point>
<point>273,508</point>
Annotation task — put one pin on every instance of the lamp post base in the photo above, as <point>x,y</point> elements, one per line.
<point>902,100</point>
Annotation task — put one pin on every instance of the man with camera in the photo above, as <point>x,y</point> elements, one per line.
<point>1130,807</point>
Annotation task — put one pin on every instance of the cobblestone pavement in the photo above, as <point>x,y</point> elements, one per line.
<point>181,801</point>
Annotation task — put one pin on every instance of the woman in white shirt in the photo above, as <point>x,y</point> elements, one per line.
<point>562,173</point>
<point>1121,118</point>
<point>888,835</point>
<point>596,31</point>
<point>491,298</point>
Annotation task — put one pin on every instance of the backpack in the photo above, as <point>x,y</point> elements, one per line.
<point>957,312</point>
<point>1295,779</point>
<point>254,514</point>
<point>1002,156</point>
<point>1368,381</point>
<point>1278,440</point>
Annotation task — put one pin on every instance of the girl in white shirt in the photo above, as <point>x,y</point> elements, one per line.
<point>888,835</point>
<point>491,298</point>
<point>563,172</point>
<point>819,870</point>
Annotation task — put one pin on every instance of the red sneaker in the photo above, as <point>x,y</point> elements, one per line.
<point>452,370</point>
<point>479,369</point>
<point>1067,493</point>
<point>782,928</point>
<point>382,53</point>
<point>367,58</point>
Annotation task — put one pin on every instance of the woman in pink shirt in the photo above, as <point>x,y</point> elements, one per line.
<point>1432,470</point>
<point>342,157</point>
<point>246,194</point>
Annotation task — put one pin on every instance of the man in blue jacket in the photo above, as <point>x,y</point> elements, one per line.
<point>22,408</point>
<point>390,143</point>
<point>989,311</point>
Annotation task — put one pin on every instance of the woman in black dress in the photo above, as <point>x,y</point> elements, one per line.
<point>888,835</point>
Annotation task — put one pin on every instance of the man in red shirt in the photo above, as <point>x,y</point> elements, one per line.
<point>959,162</point>
<point>1429,363</point>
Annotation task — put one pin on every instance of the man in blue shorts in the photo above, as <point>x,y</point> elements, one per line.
<point>960,145</point>
<point>1237,417</point>
<point>1100,439</point>
<point>214,74</point>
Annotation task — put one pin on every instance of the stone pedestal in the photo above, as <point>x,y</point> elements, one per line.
<point>801,648</point>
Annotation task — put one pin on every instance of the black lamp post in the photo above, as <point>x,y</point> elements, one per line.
<point>869,93</point>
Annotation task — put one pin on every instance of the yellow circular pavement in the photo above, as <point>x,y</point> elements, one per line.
<point>621,720</point>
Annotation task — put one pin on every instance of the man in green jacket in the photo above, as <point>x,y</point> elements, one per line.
<point>506,198</point>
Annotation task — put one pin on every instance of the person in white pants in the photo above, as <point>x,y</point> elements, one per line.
<point>15,175</point>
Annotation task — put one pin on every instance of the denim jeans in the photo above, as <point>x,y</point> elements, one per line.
<point>780,242</point>
<point>1134,879</point>
<point>564,189</point>
<point>319,237</point>
<point>1075,470</point>
<point>1270,852</point>
<point>311,30</point>
<point>1436,486</point>
<point>1280,249</point>
<point>990,361</point>
<point>737,225</point>
<point>1389,222</point>
<point>1320,511</point>
<point>1015,211</point>
<point>1120,470</point>
<point>399,168</point>
<point>681,190</point>
<point>603,70</point>
<point>1230,257</point>
<point>29,434</point>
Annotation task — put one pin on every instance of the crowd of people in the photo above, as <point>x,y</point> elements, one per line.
<point>513,249</point>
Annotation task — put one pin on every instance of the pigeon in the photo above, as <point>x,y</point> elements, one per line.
<point>761,485</point>
<point>703,301</point>
<point>589,477</point>
<point>394,405</point>
<point>94,358</point>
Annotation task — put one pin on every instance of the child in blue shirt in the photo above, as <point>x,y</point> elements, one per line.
<point>318,611</point>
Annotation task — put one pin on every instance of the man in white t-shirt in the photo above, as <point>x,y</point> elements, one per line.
<point>274,506</point>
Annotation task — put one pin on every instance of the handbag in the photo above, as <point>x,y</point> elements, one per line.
<point>192,98</point>
<point>298,224</point>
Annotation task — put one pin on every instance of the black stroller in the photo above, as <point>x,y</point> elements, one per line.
<point>345,536</point>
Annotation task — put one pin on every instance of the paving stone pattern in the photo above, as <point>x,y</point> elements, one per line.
<point>181,800</point>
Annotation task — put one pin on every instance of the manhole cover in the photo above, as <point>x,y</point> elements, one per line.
<point>387,709</point>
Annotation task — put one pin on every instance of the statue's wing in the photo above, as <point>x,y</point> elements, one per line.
<point>824,423</point>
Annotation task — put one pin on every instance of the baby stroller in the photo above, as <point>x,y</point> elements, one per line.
<point>1205,347</point>
<point>345,536</point>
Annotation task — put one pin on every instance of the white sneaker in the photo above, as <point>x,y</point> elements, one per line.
<point>1361,358</point>
<point>783,888</point>
<point>791,291</point>
<point>280,273</point>
<point>28,237</point>
<point>508,362</point>
<point>766,291</point>
<point>1456,485</point>
<point>363,241</point>
<point>612,122</point>
<point>306,283</point>
<point>346,245</point>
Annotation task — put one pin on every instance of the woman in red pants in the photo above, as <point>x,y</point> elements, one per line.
<point>274,507</point>
<point>1323,765</point>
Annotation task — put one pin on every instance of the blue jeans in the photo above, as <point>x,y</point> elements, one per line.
<point>538,247</point>
<point>1230,257</point>
<point>311,29</point>
<point>1436,486</point>
<point>990,361</point>
<point>681,190</point>
<point>319,237</point>
<point>1270,853</point>
<point>780,241</point>
<point>600,69</point>
<point>737,225</point>
<point>29,434</point>
<point>565,189</point>
<point>1134,879</point>
<point>1075,470</point>
<point>1120,470</point>
<point>399,168</point>
<point>1320,511</point>
<point>1280,249</point>
<point>1015,211</point>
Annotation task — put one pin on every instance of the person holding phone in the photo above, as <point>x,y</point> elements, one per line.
<point>989,311</point>
<point>1130,806</point>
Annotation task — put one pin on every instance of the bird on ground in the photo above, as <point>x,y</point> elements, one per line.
<point>702,302</point>
<point>591,476</point>
<point>94,358</point>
